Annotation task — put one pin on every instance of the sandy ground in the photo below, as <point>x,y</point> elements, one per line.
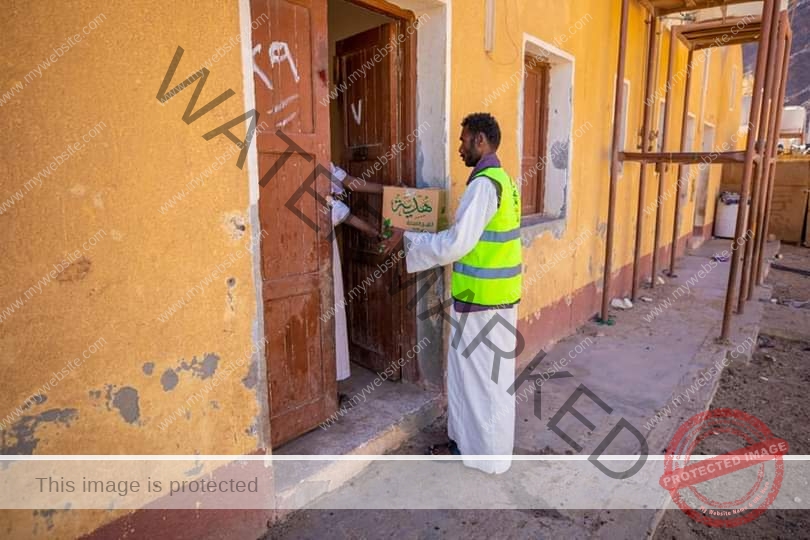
<point>774,388</point>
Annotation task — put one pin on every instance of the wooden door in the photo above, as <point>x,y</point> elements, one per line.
<point>371,118</point>
<point>290,68</point>
<point>535,128</point>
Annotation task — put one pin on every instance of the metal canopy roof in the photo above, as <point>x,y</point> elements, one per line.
<point>665,7</point>
<point>720,33</point>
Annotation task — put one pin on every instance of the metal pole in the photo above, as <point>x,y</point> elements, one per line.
<point>676,220</point>
<point>766,213</point>
<point>614,157</point>
<point>652,79</point>
<point>761,172</point>
<point>750,152</point>
<point>772,138</point>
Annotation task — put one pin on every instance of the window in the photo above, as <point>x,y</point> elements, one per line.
<point>547,137</point>
<point>535,132</point>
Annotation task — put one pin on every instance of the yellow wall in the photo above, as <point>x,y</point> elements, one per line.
<point>594,45</point>
<point>144,260</point>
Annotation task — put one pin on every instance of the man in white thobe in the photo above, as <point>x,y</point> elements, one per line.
<point>481,412</point>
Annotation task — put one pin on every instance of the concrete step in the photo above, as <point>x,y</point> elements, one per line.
<point>391,415</point>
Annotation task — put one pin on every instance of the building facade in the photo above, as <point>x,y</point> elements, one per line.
<point>178,282</point>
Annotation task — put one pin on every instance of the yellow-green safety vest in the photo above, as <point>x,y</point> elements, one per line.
<point>490,274</point>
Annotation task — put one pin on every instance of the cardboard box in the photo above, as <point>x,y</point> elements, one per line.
<point>411,209</point>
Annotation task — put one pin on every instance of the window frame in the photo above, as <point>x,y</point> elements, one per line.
<point>535,66</point>
<point>560,137</point>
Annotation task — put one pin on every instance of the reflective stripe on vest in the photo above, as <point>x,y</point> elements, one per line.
<point>486,273</point>
<point>492,236</point>
<point>490,274</point>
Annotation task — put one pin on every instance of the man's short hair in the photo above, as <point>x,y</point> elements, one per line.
<point>484,123</point>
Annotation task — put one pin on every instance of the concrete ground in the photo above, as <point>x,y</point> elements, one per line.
<point>651,354</point>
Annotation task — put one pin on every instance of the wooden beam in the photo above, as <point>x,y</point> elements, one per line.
<point>685,158</point>
<point>651,80</point>
<point>722,24</point>
<point>618,111</point>
<point>751,152</point>
<point>708,34</point>
<point>701,4</point>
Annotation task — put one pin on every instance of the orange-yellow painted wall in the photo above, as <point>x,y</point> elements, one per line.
<point>589,31</point>
<point>144,261</point>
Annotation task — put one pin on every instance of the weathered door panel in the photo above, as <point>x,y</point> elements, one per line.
<point>290,63</point>
<point>371,118</point>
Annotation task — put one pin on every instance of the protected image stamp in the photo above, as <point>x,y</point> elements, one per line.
<point>720,491</point>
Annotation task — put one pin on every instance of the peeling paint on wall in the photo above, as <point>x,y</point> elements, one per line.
<point>234,224</point>
<point>252,378</point>
<point>204,369</point>
<point>231,296</point>
<point>75,271</point>
<point>47,517</point>
<point>601,229</point>
<point>38,399</point>
<point>559,154</point>
<point>23,431</point>
<point>169,380</point>
<point>126,401</point>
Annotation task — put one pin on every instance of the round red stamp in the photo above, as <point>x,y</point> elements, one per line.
<point>729,489</point>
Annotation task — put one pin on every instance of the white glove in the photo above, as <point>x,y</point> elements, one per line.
<point>340,213</point>
<point>337,172</point>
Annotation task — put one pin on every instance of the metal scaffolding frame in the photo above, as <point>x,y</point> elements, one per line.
<point>772,32</point>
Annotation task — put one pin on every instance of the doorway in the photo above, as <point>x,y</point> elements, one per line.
<point>372,57</point>
<point>702,186</point>
<point>320,81</point>
<point>368,120</point>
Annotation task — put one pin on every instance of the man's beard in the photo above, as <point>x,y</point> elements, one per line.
<point>471,160</point>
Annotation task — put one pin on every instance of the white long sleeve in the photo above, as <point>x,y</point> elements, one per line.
<point>427,250</point>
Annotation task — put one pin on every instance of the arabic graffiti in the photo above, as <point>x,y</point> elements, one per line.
<point>278,52</point>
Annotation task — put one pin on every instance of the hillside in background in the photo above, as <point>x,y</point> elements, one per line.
<point>798,90</point>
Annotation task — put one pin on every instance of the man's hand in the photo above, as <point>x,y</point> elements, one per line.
<point>337,172</point>
<point>390,244</point>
